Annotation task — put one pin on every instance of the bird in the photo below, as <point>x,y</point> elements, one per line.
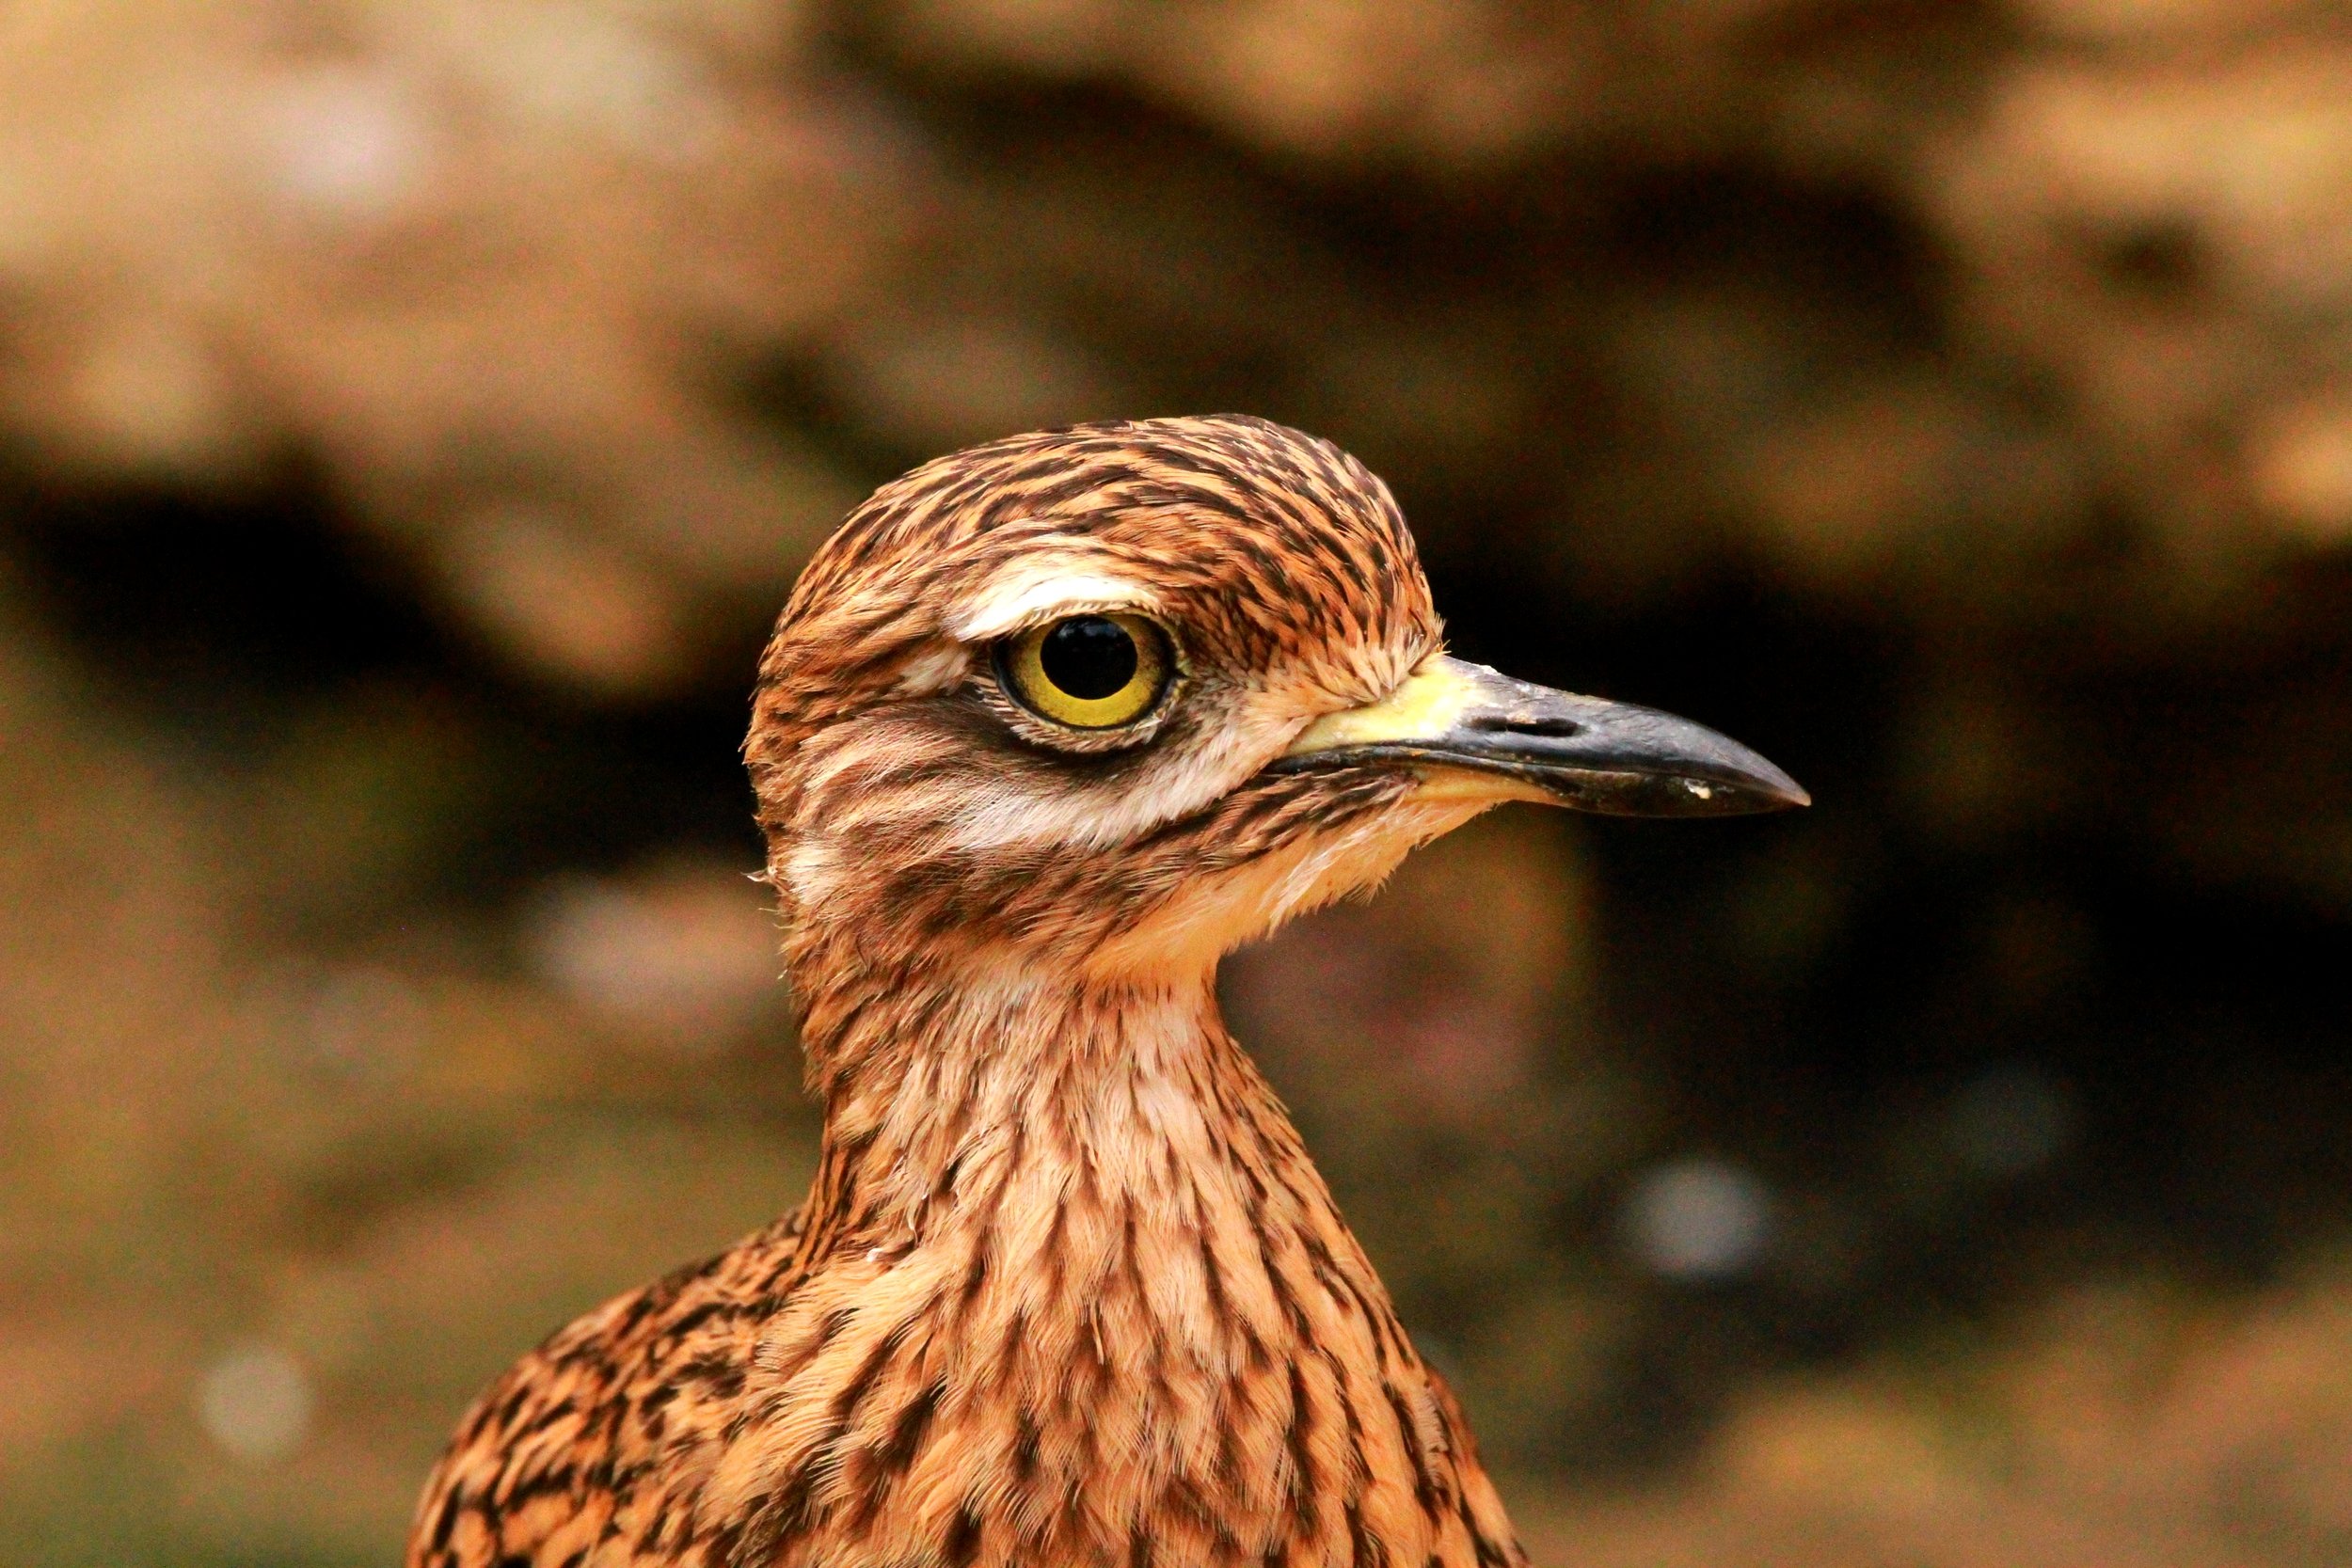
<point>1044,729</point>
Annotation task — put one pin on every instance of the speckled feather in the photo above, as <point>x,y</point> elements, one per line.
<point>1067,1288</point>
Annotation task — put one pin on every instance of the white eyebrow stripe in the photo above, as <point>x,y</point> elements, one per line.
<point>939,668</point>
<point>1025,601</point>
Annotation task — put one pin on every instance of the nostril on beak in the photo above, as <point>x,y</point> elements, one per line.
<point>1503,724</point>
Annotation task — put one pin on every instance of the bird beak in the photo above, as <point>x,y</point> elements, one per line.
<point>1477,734</point>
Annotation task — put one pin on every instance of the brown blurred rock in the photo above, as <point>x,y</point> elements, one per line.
<point>1448,85</point>
<point>484,259</point>
<point>2109,1427</point>
<point>2005,353</point>
<point>269,1214</point>
<point>2169,236</point>
<point>683,954</point>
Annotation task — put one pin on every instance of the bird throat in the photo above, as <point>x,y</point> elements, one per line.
<point>1069,1291</point>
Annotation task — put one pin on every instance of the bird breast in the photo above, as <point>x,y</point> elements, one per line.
<point>1086,1305</point>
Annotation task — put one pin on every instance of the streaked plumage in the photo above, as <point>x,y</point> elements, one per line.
<point>1067,1290</point>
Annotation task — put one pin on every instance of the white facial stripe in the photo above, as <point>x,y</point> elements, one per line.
<point>1029,599</point>
<point>1011,818</point>
<point>940,667</point>
<point>1171,784</point>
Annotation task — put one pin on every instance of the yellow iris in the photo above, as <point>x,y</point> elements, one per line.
<point>1091,672</point>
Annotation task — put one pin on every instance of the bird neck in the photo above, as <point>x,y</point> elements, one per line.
<point>1066,1253</point>
<point>966,1087</point>
<point>1043,1169</point>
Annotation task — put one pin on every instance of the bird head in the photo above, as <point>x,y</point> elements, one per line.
<point>1120,697</point>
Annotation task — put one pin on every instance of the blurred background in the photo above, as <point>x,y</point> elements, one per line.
<point>412,412</point>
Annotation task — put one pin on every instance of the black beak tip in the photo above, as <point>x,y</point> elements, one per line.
<point>1678,769</point>
<point>1757,795</point>
<point>1745,784</point>
<point>1776,791</point>
<point>1696,771</point>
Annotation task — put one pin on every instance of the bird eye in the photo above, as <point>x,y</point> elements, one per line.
<point>1088,672</point>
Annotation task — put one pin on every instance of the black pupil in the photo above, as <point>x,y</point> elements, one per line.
<point>1088,656</point>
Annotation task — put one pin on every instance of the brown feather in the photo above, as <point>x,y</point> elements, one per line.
<point>1067,1288</point>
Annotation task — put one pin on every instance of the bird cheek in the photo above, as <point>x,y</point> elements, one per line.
<point>1209,913</point>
